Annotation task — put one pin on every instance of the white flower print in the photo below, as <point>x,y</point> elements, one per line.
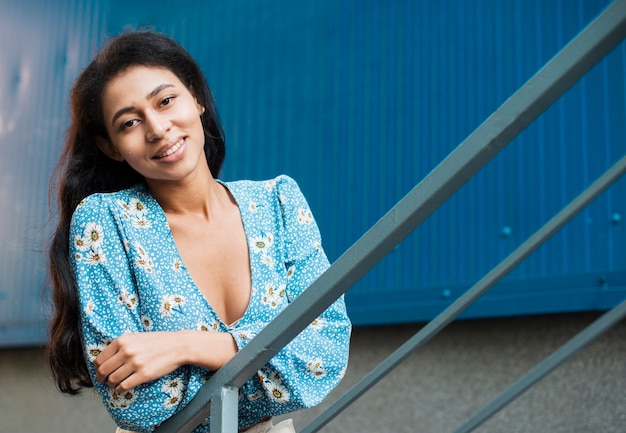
<point>314,368</point>
<point>290,271</point>
<point>252,206</point>
<point>261,244</point>
<point>268,260</point>
<point>171,303</point>
<point>281,198</point>
<point>204,326</point>
<point>275,388</point>
<point>270,185</point>
<point>177,266</point>
<point>141,223</point>
<point>128,299</point>
<point>166,307</point>
<point>178,300</point>
<point>140,248</point>
<point>93,235</point>
<point>90,307</point>
<point>255,396</point>
<point>143,260</point>
<point>172,401</point>
<point>305,216</point>
<point>94,257</point>
<point>80,243</point>
<point>136,211</point>
<point>121,400</point>
<point>273,296</point>
<point>245,335</point>
<point>136,207</point>
<point>173,387</point>
<point>263,376</point>
<point>94,349</point>
<point>342,373</point>
<point>127,398</point>
<point>123,204</point>
<point>318,324</point>
<point>146,322</point>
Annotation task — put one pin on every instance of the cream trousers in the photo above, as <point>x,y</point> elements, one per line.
<point>262,427</point>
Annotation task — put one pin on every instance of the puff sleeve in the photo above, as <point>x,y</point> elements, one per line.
<point>303,373</point>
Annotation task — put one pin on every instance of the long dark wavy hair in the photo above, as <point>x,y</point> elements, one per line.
<point>84,169</point>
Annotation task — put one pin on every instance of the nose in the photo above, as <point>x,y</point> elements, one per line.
<point>157,126</point>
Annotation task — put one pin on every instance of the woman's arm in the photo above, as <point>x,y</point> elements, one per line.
<point>135,359</point>
<point>150,372</point>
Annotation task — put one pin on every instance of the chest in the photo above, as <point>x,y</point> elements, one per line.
<point>217,258</point>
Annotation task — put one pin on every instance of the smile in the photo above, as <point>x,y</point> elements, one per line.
<point>171,150</point>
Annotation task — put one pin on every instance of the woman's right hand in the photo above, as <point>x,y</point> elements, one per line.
<point>134,359</point>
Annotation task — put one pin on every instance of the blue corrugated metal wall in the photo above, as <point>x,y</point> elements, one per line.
<point>357,100</point>
<point>43,46</point>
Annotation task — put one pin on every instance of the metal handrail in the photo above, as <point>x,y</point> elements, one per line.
<point>531,100</point>
<point>477,290</point>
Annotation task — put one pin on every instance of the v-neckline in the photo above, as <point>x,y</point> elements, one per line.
<point>188,274</point>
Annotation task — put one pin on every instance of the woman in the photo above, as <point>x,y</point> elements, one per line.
<point>160,271</point>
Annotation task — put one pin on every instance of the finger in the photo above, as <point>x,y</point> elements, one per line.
<point>129,383</point>
<point>105,366</point>
<point>106,353</point>
<point>118,378</point>
<point>103,358</point>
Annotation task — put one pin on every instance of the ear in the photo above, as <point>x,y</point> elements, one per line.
<point>107,148</point>
<point>200,107</point>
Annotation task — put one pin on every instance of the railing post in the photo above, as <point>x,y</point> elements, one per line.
<point>224,411</point>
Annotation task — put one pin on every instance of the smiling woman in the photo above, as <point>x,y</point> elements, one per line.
<point>161,271</point>
<point>155,125</point>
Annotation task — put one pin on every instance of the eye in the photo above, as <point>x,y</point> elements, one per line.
<point>128,124</point>
<point>167,101</point>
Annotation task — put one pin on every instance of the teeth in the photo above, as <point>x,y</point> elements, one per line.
<point>171,150</point>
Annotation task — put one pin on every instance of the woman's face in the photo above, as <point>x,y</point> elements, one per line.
<point>153,123</point>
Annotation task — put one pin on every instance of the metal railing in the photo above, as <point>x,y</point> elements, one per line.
<point>219,396</point>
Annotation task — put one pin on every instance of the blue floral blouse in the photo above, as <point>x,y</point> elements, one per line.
<point>131,278</point>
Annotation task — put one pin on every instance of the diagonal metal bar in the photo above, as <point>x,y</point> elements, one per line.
<point>565,352</point>
<point>463,302</point>
<point>567,67</point>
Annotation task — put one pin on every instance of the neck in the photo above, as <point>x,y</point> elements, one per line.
<point>200,196</point>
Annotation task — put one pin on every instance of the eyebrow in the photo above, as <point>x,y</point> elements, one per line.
<point>150,95</point>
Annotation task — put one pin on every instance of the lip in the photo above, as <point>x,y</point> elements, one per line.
<point>171,151</point>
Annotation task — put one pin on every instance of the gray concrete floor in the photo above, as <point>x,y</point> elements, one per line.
<point>433,391</point>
